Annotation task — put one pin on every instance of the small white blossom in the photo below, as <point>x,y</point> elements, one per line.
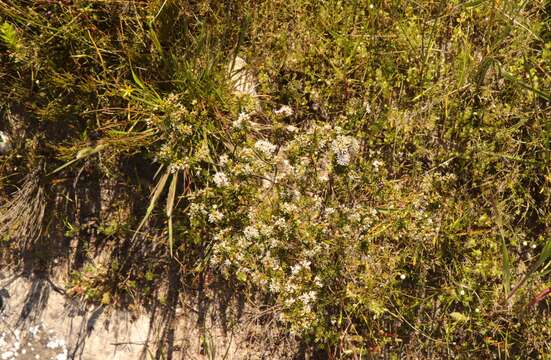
<point>366,105</point>
<point>285,110</point>
<point>308,297</point>
<point>215,216</point>
<point>265,147</point>
<point>289,302</point>
<point>243,117</point>
<point>177,166</point>
<point>289,208</point>
<point>223,160</point>
<point>251,232</point>
<point>344,148</point>
<point>220,179</point>
<point>295,269</point>
<point>377,164</point>
<point>56,343</point>
<point>318,281</point>
<point>280,223</point>
<point>274,286</point>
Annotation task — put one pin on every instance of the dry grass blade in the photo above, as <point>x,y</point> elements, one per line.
<point>22,217</point>
<point>153,202</point>
<point>170,208</point>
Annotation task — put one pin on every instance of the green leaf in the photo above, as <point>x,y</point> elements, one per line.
<point>137,80</point>
<point>457,316</point>
<point>8,35</point>
<point>506,261</point>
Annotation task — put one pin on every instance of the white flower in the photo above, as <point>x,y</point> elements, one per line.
<point>280,223</point>
<point>289,208</point>
<point>54,344</point>
<point>220,179</point>
<point>34,330</point>
<point>177,166</point>
<point>295,269</point>
<point>289,302</point>
<point>308,297</point>
<point>5,143</point>
<point>366,105</point>
<point>377,164</point>
<point>318,282</point>
<point>243,117</point>
<point>344,148</point>
<point>265,147</point>
<point>285,110</point>
<point>215,216</point>
<point>223,160</point>
<point>251,232</point>
<point>274,286</point>
<point>7,355</point>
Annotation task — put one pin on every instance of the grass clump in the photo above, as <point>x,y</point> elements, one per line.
<point>385,190</point>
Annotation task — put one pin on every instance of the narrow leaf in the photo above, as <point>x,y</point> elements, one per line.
<point>171,195</point>
<point>170,236</point>
<point>153,202</point>
<point>170,208</point>
<point>137,80</point>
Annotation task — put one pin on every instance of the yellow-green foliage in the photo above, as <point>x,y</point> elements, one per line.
<point>388,192</point>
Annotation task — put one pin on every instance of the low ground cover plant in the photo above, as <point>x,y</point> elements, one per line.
<point>385,188</point>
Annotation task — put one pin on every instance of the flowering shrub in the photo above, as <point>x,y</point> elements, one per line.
<point>377,178</point>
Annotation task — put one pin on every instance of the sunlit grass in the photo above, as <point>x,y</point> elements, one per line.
<point>385,188</point>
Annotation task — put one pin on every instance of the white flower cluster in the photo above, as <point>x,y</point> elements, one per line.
<point>265,147</point>
<point>297,268</point>
<point>177,166</point>
<point>215,215</point>
<point>220,179</point>
<point>285,110</point>
<point>377,164</point>
<point>241,118</point>
<point>308,297</point>
<point>344,147</point>
<point>251,232</point>
<point>223,160</point>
